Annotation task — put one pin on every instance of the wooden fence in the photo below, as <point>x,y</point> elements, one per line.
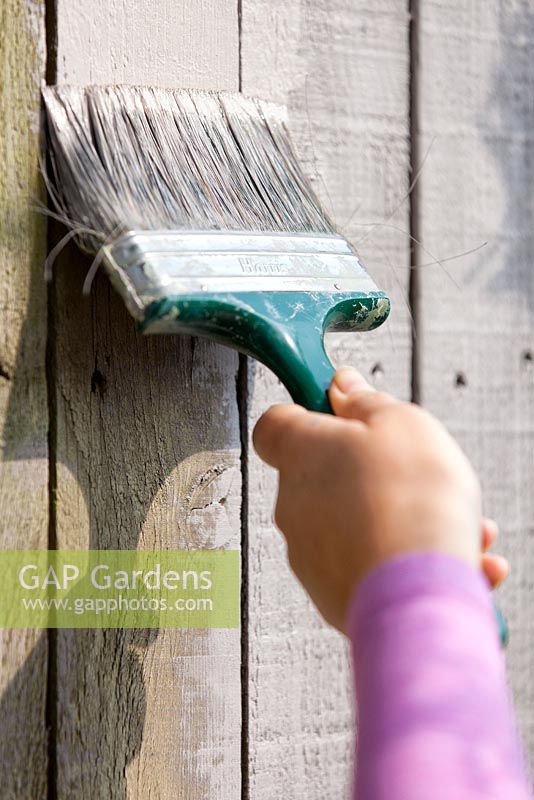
<point>413,124</point>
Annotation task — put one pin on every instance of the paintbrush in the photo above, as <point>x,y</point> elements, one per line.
<point>198,209</point>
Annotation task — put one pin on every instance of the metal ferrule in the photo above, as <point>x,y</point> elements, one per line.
<point>146,266</point>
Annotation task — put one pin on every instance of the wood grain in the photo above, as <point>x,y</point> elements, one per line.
<point>148,456</point>
<point>476,313</point>
<point>147,437</point>
<point>342,68</point>
<point>23,396</point>
<point>193,43</point>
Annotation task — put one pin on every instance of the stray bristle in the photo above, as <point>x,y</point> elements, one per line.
<point>133,158</point>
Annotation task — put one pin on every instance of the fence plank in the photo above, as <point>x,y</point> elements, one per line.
<point>23,397</point>
<point>476,313</point>
<point>148,456</point>
<point>343,70</point>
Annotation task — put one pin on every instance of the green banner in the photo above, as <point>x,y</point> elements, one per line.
<point>119,589</point>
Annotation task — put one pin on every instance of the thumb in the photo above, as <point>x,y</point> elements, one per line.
<point>352,397</point>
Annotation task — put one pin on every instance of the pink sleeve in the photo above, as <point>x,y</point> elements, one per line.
<point>435,718</point>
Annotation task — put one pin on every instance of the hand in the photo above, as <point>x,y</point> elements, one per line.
<point>379,479</point>
<point>495,567</point>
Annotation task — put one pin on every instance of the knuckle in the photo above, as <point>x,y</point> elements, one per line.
<point>384,397</point>
<point>268,422</point>
<point>380,404</point>
<point>270,431</point>
<point>280,516</point>
<point>410,413</point>
<point>295,562</point>
<point>261,429</point>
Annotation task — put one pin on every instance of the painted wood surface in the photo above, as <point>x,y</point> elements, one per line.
<point>23,399</point>
<point>145,446</point>
<point>476,318</point>
<point>342,68</point>
<point>148,456</point>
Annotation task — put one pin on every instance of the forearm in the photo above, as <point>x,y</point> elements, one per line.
<point>434,715</point>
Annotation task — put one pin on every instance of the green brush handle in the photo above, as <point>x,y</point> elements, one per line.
<point>286,332</point>
<point>296,354</point>
<point>283,330</point>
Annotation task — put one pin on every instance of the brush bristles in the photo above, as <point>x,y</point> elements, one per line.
<point>130,158</point>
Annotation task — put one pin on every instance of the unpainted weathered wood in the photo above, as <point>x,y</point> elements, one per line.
<point>23,402</point>
<point>148,456</point>
<point>343,70</point>
<point>475,89</point>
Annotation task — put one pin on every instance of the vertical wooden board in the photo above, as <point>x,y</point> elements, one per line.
<point>475,88</point>
<point>342,69</point>
<point>23,396</point>
<point>193,43</point>
<point>148,457</point>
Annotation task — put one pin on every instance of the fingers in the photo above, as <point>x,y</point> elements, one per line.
<point>287,434</point>
<point>495,568</point>
<point>352,397</point>
<point>271,430</point>
<point>490,531</point>
<point>285,431</point>
<point>349,381</point>
<point>287,428</point>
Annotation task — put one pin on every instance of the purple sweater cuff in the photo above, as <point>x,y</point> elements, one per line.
<point>414,575</point>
